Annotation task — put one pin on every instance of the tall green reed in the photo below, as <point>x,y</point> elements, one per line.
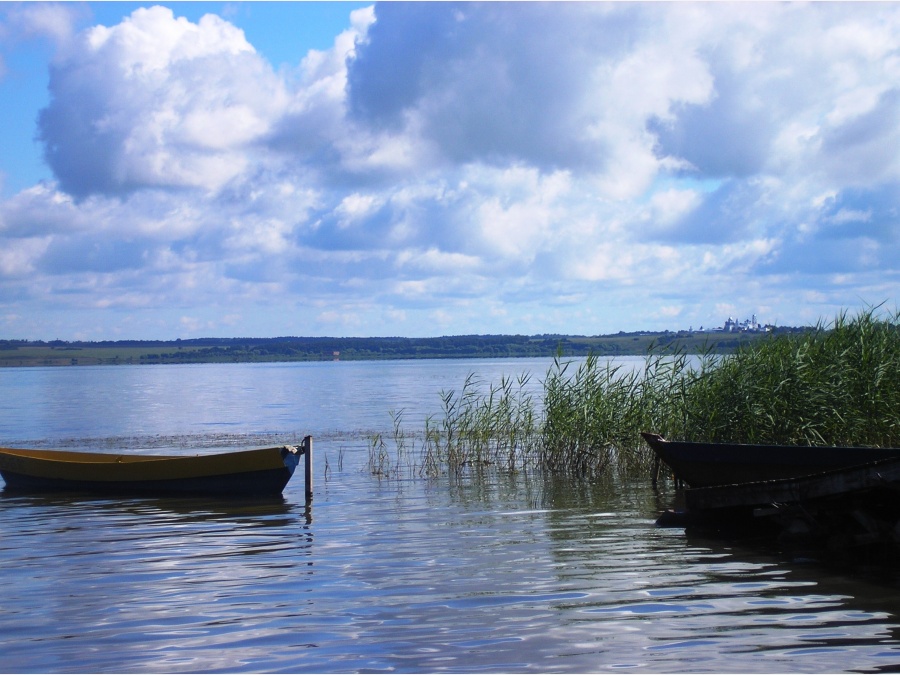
<point>480,429</point>
<point>593,417</point>
<point>836,384</point>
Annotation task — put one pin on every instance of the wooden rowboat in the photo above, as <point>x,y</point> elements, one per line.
<point>845,515</point>
<point>856,486</point>
<point>264,471</point>
<point>708,464</point>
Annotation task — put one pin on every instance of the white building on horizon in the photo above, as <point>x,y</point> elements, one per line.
<point>746,326</point>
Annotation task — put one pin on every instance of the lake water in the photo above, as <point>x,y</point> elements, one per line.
<point>407,574</point>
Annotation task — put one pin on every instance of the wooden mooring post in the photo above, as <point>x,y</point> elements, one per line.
<point>307,457</point>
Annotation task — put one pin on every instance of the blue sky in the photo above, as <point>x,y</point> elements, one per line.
<point>261,169</point>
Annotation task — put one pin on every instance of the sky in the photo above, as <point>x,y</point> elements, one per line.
<point>254,169</point>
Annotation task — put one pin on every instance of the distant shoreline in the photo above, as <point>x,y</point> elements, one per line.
<point>25,353</point>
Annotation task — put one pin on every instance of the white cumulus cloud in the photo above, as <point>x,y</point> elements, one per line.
<point>573,167</point>
<point>157,101</point>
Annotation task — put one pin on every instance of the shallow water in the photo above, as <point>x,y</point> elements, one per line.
<point>492,573</point>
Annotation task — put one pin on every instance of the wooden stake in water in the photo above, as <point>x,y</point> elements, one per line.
<point>307,454</point>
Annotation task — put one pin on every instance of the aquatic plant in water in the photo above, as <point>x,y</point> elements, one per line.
<point>836,384</point>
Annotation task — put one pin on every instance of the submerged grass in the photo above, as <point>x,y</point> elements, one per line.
<point>837,384</point>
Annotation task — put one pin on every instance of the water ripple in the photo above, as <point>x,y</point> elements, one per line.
<point>444,575</point>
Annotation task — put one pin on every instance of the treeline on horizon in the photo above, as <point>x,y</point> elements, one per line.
<point>206,350</point>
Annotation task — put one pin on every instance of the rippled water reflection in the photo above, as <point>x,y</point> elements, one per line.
<point>488,574</point>
<point>509,574</point>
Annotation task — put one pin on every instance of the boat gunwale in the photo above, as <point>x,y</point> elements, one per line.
<point>83,457</point>
<point>705,464</point>
<point>652,438</point>
<point>102,458</point>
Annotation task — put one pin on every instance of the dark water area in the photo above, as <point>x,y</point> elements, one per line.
<point>470,573</point>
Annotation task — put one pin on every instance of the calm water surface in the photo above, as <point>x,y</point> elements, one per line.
<point>491,574</point>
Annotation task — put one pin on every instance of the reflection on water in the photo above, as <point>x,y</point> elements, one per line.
<point>498,573</point>
<point>106,584</point>
<point>490,573</point>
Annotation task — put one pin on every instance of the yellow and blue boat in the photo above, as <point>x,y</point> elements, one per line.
<point>263,471</point>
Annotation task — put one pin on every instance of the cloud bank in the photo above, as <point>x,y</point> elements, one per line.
<point>463,168</point>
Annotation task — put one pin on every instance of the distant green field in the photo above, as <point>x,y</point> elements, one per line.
<point>15,353</point>
<point>33,355</point>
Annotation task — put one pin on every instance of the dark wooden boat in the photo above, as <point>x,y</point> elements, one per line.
<point>850,514</point>
<point>264,471</point>
<point>709,464</point>
<point>859,482</point>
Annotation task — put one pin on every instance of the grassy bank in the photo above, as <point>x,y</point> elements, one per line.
<point>23,353</point>
<point>838,384</point>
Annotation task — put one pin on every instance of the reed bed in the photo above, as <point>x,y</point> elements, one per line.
<point>480,429</point>
<point>837,384</point>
